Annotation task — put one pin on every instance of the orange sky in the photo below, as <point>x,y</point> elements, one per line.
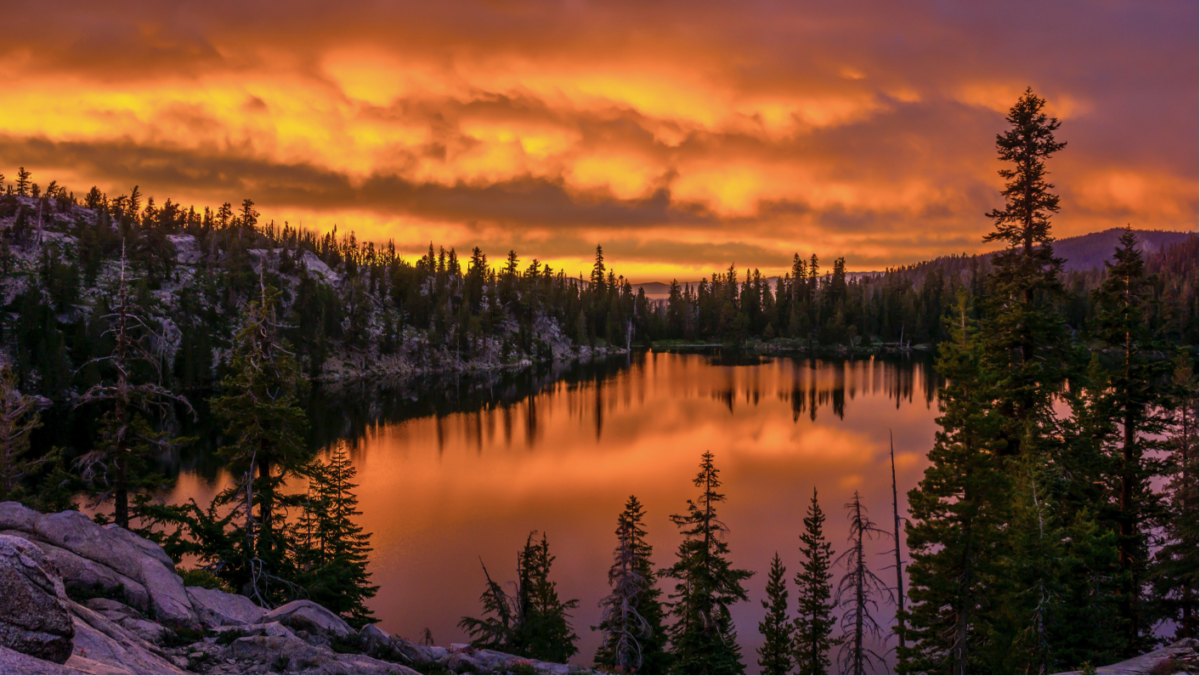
<point>682,136</point>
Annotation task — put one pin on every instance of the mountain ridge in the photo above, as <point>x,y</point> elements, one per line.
<point>1082,252</point>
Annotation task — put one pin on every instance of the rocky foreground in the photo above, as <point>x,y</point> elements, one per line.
<point>80,598</point>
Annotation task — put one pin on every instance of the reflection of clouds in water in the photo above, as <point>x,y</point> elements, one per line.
<point>445,478</point>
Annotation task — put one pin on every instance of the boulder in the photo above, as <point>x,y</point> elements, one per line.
<point>99,641</point>
<point>379,643</point>
<point>13,662</point>
<point>310,617</point>
<point>87,574</point>
<point>293,656</point>
<point>130,619</point>
<point>216,608</point>
<point>108,556</point>
<point>33,613</point>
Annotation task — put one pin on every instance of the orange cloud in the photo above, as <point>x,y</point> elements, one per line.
<point>752,132</point>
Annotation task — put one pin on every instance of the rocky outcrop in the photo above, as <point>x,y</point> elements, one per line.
<point>216,608</point>
<point>310,620</point>
<point>108,557</point>
<point>147,622</point>
<point>1178,658</point>
<point>33,605</point>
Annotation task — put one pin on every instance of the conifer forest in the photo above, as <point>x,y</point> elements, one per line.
<point>275,405</point>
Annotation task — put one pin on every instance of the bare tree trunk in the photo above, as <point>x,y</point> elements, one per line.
<point>899,569</point>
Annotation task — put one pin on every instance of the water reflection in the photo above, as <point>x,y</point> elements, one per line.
<point>454,470</point>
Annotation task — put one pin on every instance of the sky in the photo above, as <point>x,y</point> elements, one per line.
<point>681,136</point>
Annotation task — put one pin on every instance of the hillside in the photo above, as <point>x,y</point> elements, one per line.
<point>1084,252</point>
<point>347,308</point>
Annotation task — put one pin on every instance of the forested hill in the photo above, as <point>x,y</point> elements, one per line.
<point>1085,252</point>
<point>347,308</point>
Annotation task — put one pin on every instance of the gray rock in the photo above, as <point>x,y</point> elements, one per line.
<point>310,617</point>
<point>105,555</point>
<point>216,608</point>
<point>13,662</point>
<point>264,629</point>
<point>462,663</point>
<point>130,619</point>
<point>80,572</point>
<point>33,613</point>
<point>292,655</point>
<point>102,646</point>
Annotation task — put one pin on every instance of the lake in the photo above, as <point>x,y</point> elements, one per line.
<point>460,471</point>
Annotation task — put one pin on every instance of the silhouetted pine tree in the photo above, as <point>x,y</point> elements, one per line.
<point>957,511</point>
<point>1176,565</point>
<point>332,549</point>
<point>1025,351</point>
<point>775,654</point>
<point>634,638</point>
<point>259,405</point>
<point>533,622</point>
<point>18,418</point>
<point>815,621</point>
<point>1129,402</point>
<point>703,638</point>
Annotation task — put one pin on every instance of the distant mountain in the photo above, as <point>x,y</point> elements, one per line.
<point>1081,253</point>
<point>1095,249</point>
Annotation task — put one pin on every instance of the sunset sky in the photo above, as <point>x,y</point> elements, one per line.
<point>682,136</point>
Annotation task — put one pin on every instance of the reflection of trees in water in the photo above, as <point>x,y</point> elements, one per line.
<point>817,384</point>
<point>349,412</point>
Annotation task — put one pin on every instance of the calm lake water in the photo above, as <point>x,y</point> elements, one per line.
<point>463,471</point>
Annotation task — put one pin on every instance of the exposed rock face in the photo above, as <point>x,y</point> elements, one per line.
<point>33,611</point>
<point>294,656</point>
<point>216,608</point>
<point>309,617</point>
<point>1178,658</point>
<point>160,627</point>
<point>108,556</point>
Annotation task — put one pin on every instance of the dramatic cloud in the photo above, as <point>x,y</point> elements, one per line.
<point>682,136</point>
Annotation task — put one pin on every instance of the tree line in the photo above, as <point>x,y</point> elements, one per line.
<point>691,630</point>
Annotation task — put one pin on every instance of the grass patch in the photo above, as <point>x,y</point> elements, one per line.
<point>198,577</point>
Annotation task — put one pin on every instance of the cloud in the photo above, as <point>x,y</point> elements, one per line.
<point>677,134</point>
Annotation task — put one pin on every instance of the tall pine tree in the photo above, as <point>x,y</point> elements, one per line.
<point>815,621</point>
<point>703,638</point>
<point>957,515</point>
<point>631,622</point>
<point>331,548</point>
<point>775,654</point>
<point>1129,405</point>
<point>259,404</point>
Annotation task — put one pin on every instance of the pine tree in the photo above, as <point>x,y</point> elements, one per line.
<point>1176,565</point>
<point>533,622</point>
<point>857,591</point>
<point>703,638</point>
<point>118,465</point>
<point>775,654</point>
<point>815,621</point>
<point>334,547</point>
<point>1129,401</point>
<point>23,182</point>
<point>957,511</point>
<point>634,638</point>
<point>18,419</point>
<point>1025,352</point>
<point>546,632</point>
<point>260,408</point>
